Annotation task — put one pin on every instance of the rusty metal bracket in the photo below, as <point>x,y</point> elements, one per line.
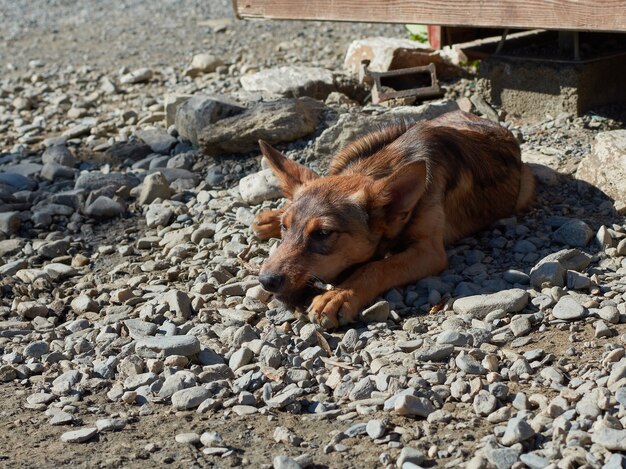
<point>401,82</point>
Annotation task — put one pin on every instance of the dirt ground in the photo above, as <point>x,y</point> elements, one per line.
<point>28,441</point>
<point>109,35</point>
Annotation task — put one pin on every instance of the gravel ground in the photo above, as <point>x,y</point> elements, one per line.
<point>133,330</point>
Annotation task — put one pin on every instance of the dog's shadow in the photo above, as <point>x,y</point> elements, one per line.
<point>477,264</point>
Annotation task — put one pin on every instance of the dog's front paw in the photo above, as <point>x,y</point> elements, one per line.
<point>267,224</point>
<point>334,308</point>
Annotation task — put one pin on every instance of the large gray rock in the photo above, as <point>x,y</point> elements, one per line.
<point>284,120</point>
<point>350,127</point>
<point>605,166</point>
<point>291,82</point>
<point>201,110</point>
<point>257,187</point>
<point>479,306</point>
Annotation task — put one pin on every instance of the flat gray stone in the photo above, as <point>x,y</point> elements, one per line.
<point>79,436</point>
<point>258,187</point>
<point>151,347</point>
<point>573,233</point>
<point>376,428</point>
<point>61,418</point>
<point>240,358</point>
<point>517,430</point>
<point>189,398</point>
<point>285,462</point>
<point>96,180</point>
<point>469,364</point>
<point>410,457</point>
<point>158,139</point>
<point>550,273</point>
<point>611,439</point>
<point>568,309</point>
<point>187,438</point>
<point>478,306</point>
<point>110,425</point>
<point>378,312</point>
<point>534,461</point>
<point>435,353</point>
<point>10,222</point>
<point>104,207</point>
<point>484,403</point>
<point>59,154</point>
<point>291,81</point>
<point>412,406</point>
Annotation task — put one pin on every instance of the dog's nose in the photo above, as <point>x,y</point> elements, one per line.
<point>272,282</point>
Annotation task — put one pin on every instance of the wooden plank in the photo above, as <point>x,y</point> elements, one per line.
<point>579,15</point>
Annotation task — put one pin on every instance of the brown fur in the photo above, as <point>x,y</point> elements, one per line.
<point>389,204</point>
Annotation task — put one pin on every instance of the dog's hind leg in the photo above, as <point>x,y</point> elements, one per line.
<point>267,224</point>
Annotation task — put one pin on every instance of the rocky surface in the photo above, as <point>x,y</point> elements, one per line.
<point>133,329</point>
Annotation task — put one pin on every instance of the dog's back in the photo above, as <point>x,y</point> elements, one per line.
<point>474,167</point>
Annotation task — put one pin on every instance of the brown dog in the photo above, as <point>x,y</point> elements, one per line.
<point>382,216</point>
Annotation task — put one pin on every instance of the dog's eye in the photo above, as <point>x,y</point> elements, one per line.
<point>321,234</point>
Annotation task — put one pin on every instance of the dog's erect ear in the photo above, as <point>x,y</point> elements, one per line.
<point>290,174</point>
<point>398,194</point>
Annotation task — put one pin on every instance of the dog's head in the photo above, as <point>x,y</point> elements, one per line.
<point>333,223</point>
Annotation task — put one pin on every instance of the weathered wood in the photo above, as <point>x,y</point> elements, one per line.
<point>579,15</point>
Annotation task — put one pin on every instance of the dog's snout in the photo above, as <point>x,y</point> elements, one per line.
<point>272,282</point>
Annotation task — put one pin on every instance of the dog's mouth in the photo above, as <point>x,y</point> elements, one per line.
<point>302,297</point>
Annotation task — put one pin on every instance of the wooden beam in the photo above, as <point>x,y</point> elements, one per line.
<point>575,15</point>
